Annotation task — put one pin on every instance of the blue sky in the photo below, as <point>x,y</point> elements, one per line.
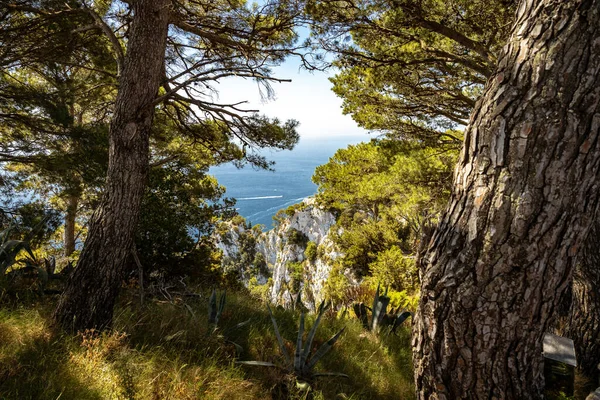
<point>308,99</point>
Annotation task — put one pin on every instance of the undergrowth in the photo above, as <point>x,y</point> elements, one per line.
<point>167,350</point>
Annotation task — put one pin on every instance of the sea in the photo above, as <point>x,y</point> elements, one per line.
<point>260,194</point>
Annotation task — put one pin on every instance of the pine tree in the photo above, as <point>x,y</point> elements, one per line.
<point>525,190</point>
<point>167,56</point>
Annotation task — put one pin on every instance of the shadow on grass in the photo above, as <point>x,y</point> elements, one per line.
<point>379,366</point>
<point>170,350</point>
<point>35,364</point>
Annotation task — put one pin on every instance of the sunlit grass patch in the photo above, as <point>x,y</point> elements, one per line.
<point>167,350</point>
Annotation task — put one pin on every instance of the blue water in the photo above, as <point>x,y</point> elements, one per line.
<point>260,194</point>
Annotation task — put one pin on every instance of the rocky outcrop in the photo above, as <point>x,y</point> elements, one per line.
<point>298,253</point>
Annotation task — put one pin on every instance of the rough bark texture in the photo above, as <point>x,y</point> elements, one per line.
<point>89,298</point>
<point>70,217</point>
<point>526,189</point>
<point>582,322</point>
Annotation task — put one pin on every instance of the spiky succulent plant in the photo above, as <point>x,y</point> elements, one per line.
<point>379,314</point>
<point>10,249</point>
<point>303,363</point>
<point>215,309</point>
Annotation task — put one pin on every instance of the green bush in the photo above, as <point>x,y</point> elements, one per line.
<point>238,220</point>
<point>169,230</point>
<point>296,271</point>
<point>294,208</point>
<point>396,269</point>
<point>295,237</point>
<point>261,292</point>
<point>311,251</point>
<point>260,265</point>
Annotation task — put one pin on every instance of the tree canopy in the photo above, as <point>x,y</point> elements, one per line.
<point>411,69</point>
<point>385,193</point>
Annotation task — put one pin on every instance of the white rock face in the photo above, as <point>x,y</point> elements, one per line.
<point>229,245</point>
<point>274,245</point>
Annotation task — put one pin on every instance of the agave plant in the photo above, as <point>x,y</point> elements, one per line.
<point>10,252</point>
<point>303,363</point>
<point>10,249</point>
<point>379,315</point>
<point>215,309</point>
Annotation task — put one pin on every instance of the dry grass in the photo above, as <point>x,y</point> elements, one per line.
<point>166,350</point>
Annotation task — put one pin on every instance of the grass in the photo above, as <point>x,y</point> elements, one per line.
<point>167,350</point>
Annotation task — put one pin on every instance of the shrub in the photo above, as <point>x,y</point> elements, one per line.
<point>238,220</point>
<point>279,217</point>
<point>261,292</point>
<point>260,265</point>
<point>295,237</point>
<point>395,268</point>
<point>336,284</point>
<point>311,251</point>
<point>296,271</point>
<point>294,208</point>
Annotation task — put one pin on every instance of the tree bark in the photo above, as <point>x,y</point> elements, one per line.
<point>90,295</point>
<point>526,191</point>
<point>582,323</point>
<point>70,217</point>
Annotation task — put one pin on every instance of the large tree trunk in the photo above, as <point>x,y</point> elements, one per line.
<point>525,192</point>
<point>70,218</point>
<point>582,323</point>
<point>90,295</point>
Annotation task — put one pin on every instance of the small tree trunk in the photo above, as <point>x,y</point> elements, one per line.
<point>582,323</point>
<point>70,217</point>
<point>90,295</point>
<point>525,189</point>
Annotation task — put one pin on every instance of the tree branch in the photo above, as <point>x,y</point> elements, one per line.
<point>108,32</point>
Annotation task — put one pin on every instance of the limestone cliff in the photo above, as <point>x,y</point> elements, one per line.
<point>297,254</point>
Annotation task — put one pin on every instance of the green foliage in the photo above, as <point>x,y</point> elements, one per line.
<point>364,238</point>
<point>261,292</point>
<point>311,251</point>
<point>384,192</point>
<point>279,217</point>
<point>405,175</point>
<point>53,112</point>
<point>412,69</point>
<point>296,237</point>
<point>178,209</point>
<point>294,208</point>
<point>395,268</point>
<point>296,272</point>
<point>238,220</point>
<point>404,300</point>
<point>337,283</point>
<point>259,265</point>
<point>215,308</point>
